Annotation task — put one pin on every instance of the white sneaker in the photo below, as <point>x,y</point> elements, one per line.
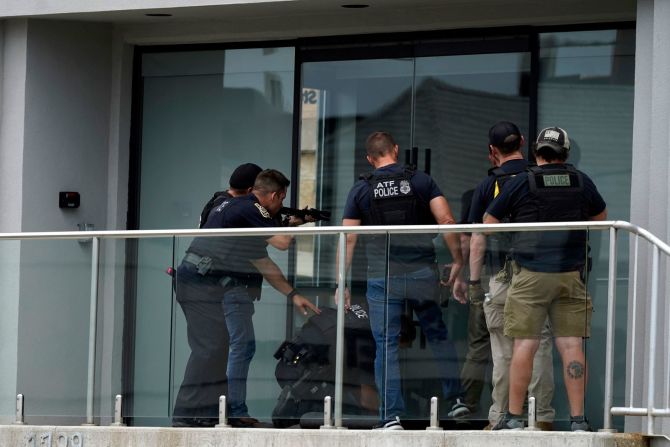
<point>459,410</point>
<point>389,424</point>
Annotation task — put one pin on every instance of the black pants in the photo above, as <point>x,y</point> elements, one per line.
<point>205,375</point>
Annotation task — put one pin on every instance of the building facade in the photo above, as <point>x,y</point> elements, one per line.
<point>146,107</point>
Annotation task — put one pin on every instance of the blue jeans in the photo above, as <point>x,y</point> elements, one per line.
<point>420,289</point>
<point>238,308</point>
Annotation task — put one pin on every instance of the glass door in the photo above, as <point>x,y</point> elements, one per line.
<point>439,109</point>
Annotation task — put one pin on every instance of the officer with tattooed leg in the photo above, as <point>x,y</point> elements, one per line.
<point>549,271</point>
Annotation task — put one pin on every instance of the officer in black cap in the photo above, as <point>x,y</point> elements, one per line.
<point>241,182</point>
<point>217,282</point>
<point>485,321</point>
<point>205,376</point>
<point>549,270</point>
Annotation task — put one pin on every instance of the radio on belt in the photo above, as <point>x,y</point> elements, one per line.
<point>68,199</point>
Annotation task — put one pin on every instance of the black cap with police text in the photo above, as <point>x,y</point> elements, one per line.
<point>504,135</point>
<point>244,176</point>
<point>555,138</point>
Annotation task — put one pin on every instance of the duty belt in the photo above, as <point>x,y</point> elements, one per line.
<point>202,263</point>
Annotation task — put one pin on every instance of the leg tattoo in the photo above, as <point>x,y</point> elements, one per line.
<point>575,370</point>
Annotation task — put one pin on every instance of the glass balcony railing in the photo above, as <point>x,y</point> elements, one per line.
<point>150,316</point>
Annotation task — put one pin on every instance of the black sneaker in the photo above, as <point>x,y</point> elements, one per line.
<point>389,424</point>
<point>509,422</point>
<point>247,422</point>
<point>579,424</point>
<point>459,410</point>
<point>194,422</point>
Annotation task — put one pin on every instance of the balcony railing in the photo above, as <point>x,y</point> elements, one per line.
<point>636,302</point>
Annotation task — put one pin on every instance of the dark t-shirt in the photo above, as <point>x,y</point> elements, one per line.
<point>231,254</point>
<point>498,244</point>
<point>403,255</point>
<point>485,191</point>
<point>556,252</point>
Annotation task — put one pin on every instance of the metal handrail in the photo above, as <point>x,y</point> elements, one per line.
<point>613,227</point>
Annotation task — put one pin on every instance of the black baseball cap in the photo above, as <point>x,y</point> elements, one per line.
<point>555,138</point>
<point>505,135</point>
<point>244,176</point>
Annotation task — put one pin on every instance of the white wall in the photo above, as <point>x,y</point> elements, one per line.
<point>66,138</point>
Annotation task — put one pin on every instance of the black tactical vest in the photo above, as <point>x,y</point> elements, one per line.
<point>556,195</point>
<point>393,201</point>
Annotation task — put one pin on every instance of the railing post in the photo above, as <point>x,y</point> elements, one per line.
<point>327,414</point>
<point>223,413</point>
<point>339,349</point>
<point>609,343</point>
<point>633,339</point>
<point>19,410</point>
<point>653,317</point>
<point>434,415</point>
<point>93,315</point>
<point>118,417</point>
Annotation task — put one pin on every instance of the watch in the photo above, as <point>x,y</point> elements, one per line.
<point>474,282</point>
<point>291,294</point>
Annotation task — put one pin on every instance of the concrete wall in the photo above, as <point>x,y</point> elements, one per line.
<point>650,207</point>
<point>13,48</point>
<point>66,138</point>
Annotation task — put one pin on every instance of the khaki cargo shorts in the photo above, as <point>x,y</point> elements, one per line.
<point>533,296</point>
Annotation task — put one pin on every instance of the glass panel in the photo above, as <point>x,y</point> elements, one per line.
<point>344,102</point>
<point>421,359</point>
<point>10,289</point>
<point>49,293</point>
<point>586,87</point>
<point>458,98</point>
<point>202,112</point>
<point>239,348</point>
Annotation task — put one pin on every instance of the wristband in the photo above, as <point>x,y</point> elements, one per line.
<point>474,282</point>
<point>291,294</point>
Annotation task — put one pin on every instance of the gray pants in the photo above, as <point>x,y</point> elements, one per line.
<point>542,382</point>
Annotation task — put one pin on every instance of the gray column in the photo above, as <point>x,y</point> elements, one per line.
<point>650,186</point>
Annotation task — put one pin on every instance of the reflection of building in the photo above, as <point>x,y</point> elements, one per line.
<point>145,116</point>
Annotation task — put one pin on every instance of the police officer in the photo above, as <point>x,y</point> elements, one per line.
<point>230,270</point>
<point>205,375</point>
<point>549,270</point>
<point>505,144</point>
<point>396,195</point>
<point>241,181</point>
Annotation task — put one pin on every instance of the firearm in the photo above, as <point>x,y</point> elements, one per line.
<point>302,214</point>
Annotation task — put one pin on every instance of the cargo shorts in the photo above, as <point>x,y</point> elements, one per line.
<point>533,296</point>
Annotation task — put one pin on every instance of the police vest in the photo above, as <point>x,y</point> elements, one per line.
<point>392,200</point>
<point>555,195</point>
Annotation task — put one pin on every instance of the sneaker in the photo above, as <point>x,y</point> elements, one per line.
<point>247,422</point>
<point>389,424</point>
<point>193,422</point>
<point>579,424</point>
<point>509,422</point>
<point>459,410</point>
